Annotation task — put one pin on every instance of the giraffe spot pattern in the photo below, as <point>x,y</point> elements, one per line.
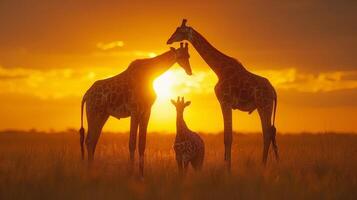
<point>190,148</point>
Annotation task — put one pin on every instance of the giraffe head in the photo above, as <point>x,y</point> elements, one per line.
<point>182,32</point>
<point>180,104</point>
<point>183,57</point>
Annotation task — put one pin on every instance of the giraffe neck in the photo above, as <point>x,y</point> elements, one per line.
<point>150,68</point>
<point>217,61</point>
<point>181,126</point>
<point>162,63</point>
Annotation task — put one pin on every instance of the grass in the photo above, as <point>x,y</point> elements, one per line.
<point>48,166</point>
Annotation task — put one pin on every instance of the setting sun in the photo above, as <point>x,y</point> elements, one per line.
<point>163,85</point>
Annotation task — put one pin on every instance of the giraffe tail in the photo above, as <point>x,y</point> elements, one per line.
<point>275,105</point>
<point>81,130</point>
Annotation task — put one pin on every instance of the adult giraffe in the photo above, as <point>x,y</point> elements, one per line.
<point>237,88</point>
<point>128,94</point>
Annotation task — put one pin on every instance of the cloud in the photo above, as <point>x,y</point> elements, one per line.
<point>136,53</point>
<point>203,82</point>
<point>50,84</point>
<point>68,82</point>
<point>110,45</point>
<point>291,79</point>
<point>25,58</point>
<point>338,98</point>
<point>6,74</point>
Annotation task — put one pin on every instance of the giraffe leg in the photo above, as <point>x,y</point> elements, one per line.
<point>132,141</point>
<point>95,125</point>
<point>227,118</point>
<point>265,118</point>
<point>197,163</point>
<point>275,146</point>
<point>142,139</point>
<point>179,164</point>
<point>185,166</point>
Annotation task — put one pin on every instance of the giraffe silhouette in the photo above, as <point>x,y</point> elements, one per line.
<point>128,94</point>
<point>237,88</point>
<point>189,146</point>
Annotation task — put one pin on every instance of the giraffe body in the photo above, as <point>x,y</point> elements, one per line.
<point>245,92</point>
<point>190,149</point>
<point>189,146</point>
<point>128,94</point>
<point>237,88</point>
<point>119,96</point>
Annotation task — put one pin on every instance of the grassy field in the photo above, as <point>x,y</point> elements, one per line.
<point>48,166</point>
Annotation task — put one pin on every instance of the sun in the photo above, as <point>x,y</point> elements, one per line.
<point>163,85</point>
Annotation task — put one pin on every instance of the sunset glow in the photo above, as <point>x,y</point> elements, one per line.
<point>51,53</point>
<point>217,99</point>
<point>163,85</point>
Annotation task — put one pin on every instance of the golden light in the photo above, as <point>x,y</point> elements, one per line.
<point>110,45</point>
<point>152,54</point>
<point>163,85</point>
<point>176,82</point>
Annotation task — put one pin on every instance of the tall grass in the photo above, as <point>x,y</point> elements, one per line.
<point>48,166</point>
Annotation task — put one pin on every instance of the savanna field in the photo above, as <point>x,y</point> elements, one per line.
<point>48,166</point>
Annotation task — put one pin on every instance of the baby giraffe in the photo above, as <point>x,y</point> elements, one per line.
<point>189,147</point>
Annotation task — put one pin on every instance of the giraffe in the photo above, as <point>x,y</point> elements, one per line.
<point>237,88</point>
<point>189,146</point>
<point>128,94</point>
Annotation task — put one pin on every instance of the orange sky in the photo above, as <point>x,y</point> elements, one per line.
<point>51,52</point>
